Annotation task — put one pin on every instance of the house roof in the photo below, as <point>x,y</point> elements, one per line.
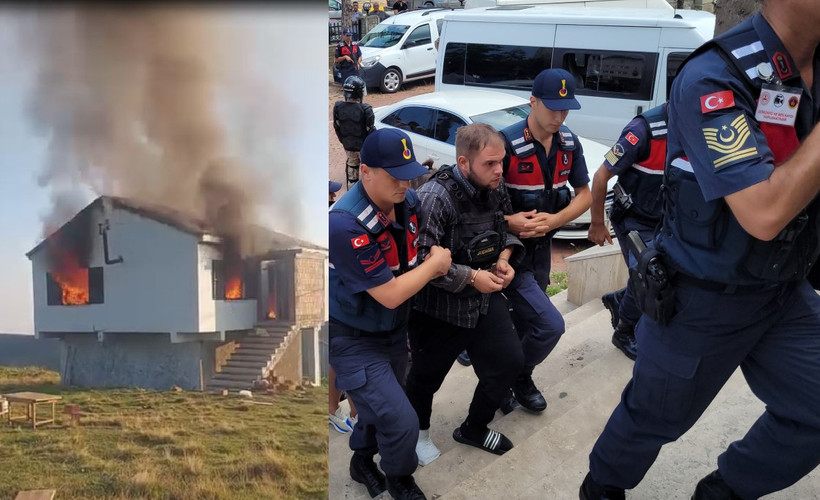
<point>264,239</point>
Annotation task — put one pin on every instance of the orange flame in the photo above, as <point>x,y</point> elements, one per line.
<point>233,288</point>
<point>72,278</point>
<point>272,305</point>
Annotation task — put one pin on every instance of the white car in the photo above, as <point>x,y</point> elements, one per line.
<point>431,121</point>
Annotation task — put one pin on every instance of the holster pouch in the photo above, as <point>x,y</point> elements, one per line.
<point>651,282</point>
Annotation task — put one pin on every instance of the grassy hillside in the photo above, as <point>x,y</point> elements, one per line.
<point>135,443</point>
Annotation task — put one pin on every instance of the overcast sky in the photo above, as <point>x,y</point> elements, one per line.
<point>288,50</point>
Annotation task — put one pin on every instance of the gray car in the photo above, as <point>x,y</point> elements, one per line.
<point>450,4</point>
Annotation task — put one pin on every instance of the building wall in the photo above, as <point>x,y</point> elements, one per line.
<point>311,287</point>
<point>154,289</point>
<point>219,315</point>
<point>290,365</point>
<point>26,350</point>
<point>143,360</point>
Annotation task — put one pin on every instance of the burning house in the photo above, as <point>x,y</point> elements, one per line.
<point>148,296</point>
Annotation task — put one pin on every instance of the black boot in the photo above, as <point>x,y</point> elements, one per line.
<point>363,470</point>
<point>509,404</point>
<point>590,490</point>
<point>713,487</point>
<point>404,488</point>
<point>624,339</point>
<point>612,301</point>
<point>527,394</point>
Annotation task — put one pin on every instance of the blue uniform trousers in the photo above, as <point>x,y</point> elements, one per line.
<point>538,322</point>
<point>629,312</point>
<point>368,369</point>
<point>773,334</point>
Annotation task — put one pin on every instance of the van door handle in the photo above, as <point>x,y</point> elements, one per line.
<point>431,48</point>
<point>640,110</point>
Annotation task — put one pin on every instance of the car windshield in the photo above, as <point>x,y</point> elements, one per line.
<point>503,118</point>
<point>384,35</point>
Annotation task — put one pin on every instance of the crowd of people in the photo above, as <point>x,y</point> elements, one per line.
<point>716,214</point>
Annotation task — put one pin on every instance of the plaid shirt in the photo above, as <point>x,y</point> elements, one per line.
<point>438,215</point>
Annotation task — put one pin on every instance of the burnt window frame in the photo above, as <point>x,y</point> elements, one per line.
<point>250,281</point>
<point>96,289</point>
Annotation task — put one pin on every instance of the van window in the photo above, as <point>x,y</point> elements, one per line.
<point>414,119</point>
<point>384,35</point>
<point>419,36</point>
<point>493,65</point>
<point>610,73</point>
<point>673,63</point>
<point>446,126</point>
<point>452,70</point>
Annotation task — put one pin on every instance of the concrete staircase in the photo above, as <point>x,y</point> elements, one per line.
<point>582,380</point>
<point>254,359</point>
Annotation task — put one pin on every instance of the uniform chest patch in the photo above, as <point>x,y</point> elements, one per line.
<point>729,140</point>
<point>412,227</point>
<point>564,158</point>
<point>525,167</point>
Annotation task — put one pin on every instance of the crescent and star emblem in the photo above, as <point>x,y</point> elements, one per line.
<point>713,102</point>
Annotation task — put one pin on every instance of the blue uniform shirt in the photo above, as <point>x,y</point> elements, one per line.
<point>713,135</point>
<point>355,254</point>
<point>629,150</point>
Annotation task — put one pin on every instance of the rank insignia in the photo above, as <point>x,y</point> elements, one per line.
<point>525,167</point>
<point>729,140</point>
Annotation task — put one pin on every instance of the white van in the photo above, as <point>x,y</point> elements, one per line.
<point>401,48</point>
<point>645,4</point>
<point>623,60</point>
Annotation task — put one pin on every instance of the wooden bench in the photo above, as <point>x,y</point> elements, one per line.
<point>31,400</point>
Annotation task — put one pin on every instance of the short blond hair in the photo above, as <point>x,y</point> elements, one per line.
<point>472,138</point>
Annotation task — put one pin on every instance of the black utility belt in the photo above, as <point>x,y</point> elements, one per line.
<point>726,288</point>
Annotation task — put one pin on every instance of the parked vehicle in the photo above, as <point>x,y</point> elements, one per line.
<point>401,49</point>
<point>431,121</point>
<point>646,4</point>
<point>623,60</point>
<point>335,9</point>
<point>420,4</point>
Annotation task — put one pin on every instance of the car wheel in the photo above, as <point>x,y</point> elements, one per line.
<point>428,4</point>
<point>391,80</point>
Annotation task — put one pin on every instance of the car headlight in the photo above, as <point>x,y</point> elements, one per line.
<point>370,61</point>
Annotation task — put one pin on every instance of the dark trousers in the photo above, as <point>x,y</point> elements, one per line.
<point>773,334</point>
<point>368,369</point>
<point>494,350</point>
<point>537,321</point>
<point>629,312</point>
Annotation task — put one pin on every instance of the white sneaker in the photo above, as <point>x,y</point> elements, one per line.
<point>351,421</point>
<point>339,421</point>
<point>425,449</point>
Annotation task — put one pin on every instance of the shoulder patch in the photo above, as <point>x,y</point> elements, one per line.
<point>632,138</point>
<point>717,100</point>
<point>614,154</point>
<point>360,241</point>
<point>729,140</point>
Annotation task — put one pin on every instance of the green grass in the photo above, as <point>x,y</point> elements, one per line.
<point>558,283</point>
<point>142,444</point>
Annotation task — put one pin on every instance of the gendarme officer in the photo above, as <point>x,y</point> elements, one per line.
<point>738,237</point>
<point>637,158</point>
<point>373,232</point>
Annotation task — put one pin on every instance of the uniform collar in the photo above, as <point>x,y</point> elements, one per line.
<point>782,62</point>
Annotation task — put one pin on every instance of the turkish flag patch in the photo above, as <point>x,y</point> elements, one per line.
<point>360,241</point>
<point>632,138</point>
<point>717,100</point>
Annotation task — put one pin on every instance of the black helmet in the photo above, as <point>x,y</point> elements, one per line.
<point>354,88</point>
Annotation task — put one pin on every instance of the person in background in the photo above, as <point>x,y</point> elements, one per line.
<point>637,158</point>
<point>353,120</point>
<point>348,56</point>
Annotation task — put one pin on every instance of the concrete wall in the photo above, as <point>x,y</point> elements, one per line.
<point>290,365</point>
<point>143,360</point>
<point>594,272</point>
<point>26,350</point>
<point>311,287</point>
<point>152,290</point>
